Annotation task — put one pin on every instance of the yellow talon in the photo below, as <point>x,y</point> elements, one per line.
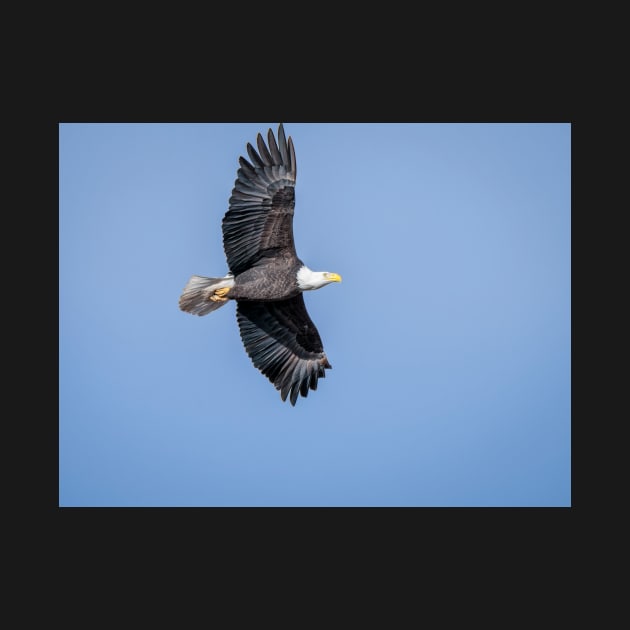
<point>218,295</point>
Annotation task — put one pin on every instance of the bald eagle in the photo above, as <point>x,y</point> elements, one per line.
<point>266,278</point>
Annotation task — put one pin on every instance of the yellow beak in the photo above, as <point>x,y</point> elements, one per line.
<point>334,277</point>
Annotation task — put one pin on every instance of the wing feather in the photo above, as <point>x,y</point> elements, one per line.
<point>255,158</point>
<point>260,214</point>
<point>263,151</point>
<point>292,162</point>
<point>282,145</point>
<point>283,343</point>
<point>273,147</point>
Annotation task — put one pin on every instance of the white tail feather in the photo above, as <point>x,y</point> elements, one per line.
<point>196,295</point>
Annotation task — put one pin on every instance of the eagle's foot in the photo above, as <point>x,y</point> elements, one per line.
<point>219,295</point>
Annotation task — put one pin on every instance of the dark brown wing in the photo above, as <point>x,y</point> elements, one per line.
<point>283,344</point>
<point>259,221</point>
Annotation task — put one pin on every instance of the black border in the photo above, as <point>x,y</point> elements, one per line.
<point>416,93</point>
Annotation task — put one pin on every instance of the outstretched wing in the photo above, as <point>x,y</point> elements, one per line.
<point>283,344</point>
<point>259,221</point>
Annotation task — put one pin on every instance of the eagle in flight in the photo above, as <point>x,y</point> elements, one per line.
<point>266,278</point>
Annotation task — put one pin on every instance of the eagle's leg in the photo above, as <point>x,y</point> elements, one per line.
<point>219,295</point>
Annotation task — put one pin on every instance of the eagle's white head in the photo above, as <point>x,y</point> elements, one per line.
<point>308,279</point>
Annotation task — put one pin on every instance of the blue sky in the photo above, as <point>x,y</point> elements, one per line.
<point>450,336</point>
